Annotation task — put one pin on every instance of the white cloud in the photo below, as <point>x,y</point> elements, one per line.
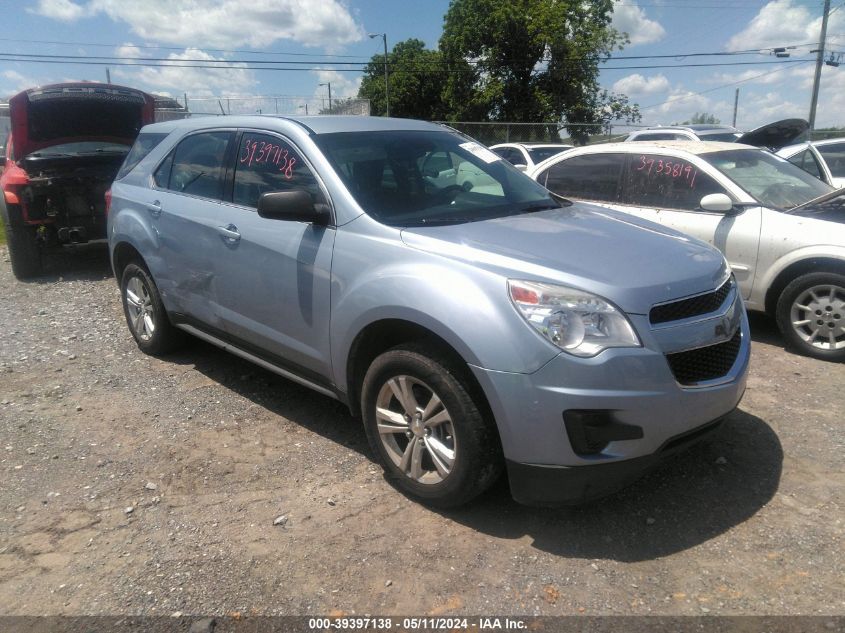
<point>784,23</point>
<point>342,85</point>
<point>632,20</point>
<point>636,84</point>
<point>196,82</point>
<point>13,82</point>
<point>63,10</point>
<point>230,23</point>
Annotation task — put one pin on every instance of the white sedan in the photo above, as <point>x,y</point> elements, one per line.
<point>781,230</point>
<point>524,156</point>
<point>824,159</point>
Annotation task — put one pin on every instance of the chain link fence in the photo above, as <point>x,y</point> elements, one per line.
<point>168,108</point>
<point>550,132</point>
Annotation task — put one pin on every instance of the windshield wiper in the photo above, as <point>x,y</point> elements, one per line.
<point>826,197</point>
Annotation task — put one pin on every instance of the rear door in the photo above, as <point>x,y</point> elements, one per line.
<point>274,276</point>
<point>184,205</point>
<point>668,190</point>
<point>833,155</point>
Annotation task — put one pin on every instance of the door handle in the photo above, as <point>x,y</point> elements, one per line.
<point>154,208</point>
<point>229,233</point>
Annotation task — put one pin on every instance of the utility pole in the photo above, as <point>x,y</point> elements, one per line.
<point>108,76</point>
<point>386,94</point>
<point>736,105</point>
<point>817,79</point>
<point>329,84</point>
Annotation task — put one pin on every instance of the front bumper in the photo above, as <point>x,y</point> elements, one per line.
<point>635,385</point>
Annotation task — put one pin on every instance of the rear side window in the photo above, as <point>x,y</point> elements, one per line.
<point>589,177</point>
<point>144,144</point>
<point>198,167</point>
<point>666,182</point>
<point>267,163</point>
<point>806,161</point>
<point>834,156</point>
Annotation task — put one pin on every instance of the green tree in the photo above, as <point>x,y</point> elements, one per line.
<point>415,82</point>
<point>532,60</point>
<point>702,118</point>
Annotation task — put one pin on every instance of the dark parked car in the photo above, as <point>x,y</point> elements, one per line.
<point>66,144</point>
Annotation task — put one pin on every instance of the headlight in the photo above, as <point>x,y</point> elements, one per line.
<point>577,322</point>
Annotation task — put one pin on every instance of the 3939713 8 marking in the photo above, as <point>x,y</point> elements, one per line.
<point>350,624</point>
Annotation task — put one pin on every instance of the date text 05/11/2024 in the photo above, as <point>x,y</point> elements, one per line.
<point>416,624</point>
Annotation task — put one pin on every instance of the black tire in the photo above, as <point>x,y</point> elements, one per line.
<point>470,433</point>
<point>826,315</point>
<point>24,250</point>
<point>161,337</point>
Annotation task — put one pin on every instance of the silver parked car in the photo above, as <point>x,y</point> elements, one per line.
<point>823,159</point>
<point>782,230</point>
<point>471,327</point>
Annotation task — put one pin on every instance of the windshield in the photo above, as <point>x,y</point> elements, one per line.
<point>414,178</point>
<point>82,147</point>
<point>539,154</point>
<point>727,137</point>
<point>771,180</point>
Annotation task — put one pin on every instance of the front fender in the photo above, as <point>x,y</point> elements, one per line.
<point>377,279</point>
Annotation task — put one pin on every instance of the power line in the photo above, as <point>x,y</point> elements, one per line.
<point>720,87</point>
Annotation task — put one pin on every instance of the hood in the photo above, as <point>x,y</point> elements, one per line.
<point>775,135</point>
<point>73,112</point>
<point>631,262</point>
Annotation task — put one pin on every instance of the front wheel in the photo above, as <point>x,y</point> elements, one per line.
<point>145,313</point>
<point>811,315</point>
<point>426,424</point>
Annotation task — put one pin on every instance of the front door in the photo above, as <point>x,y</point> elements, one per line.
<point>668,190</point>
<point>274,276</point>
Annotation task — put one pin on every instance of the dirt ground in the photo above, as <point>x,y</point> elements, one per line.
<point>132,485</point>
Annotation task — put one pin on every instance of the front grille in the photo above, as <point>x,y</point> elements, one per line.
<point>694,306</point>
<point>705,363</point>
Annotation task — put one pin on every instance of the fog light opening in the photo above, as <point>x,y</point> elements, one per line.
<point>590,431</point>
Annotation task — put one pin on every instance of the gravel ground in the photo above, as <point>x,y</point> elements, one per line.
<point>204,485</point>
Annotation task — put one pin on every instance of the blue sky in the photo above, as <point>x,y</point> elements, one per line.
<point>336,30</point>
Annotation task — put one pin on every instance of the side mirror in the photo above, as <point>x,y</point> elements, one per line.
<point>717,203</point>
<point>295,206</point>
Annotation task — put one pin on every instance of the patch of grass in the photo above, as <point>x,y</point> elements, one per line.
<point>2,234</point>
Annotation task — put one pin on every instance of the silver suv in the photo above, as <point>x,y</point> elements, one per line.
<point>472,319</point>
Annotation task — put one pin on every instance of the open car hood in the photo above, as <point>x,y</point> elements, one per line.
<point>775,135</point>
<point>73,112</point>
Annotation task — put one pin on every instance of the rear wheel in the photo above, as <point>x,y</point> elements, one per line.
<point>811,315</point>
<point>145,313</point>
<point>428,428</point>
<point>24,250</point>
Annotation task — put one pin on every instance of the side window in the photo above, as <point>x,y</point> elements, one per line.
<point>162,174</point>
<point>198,165</point>
<point>666,182</point>
<point>834,156</point>
<point>589,177</point>
<point>806,161</point>
<point>144,144</point>
<point>267,163</point>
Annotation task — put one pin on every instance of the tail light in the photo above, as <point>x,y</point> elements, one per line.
<point>108,200</point>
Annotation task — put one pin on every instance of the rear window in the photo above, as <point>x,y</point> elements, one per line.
<point>144,144</point>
